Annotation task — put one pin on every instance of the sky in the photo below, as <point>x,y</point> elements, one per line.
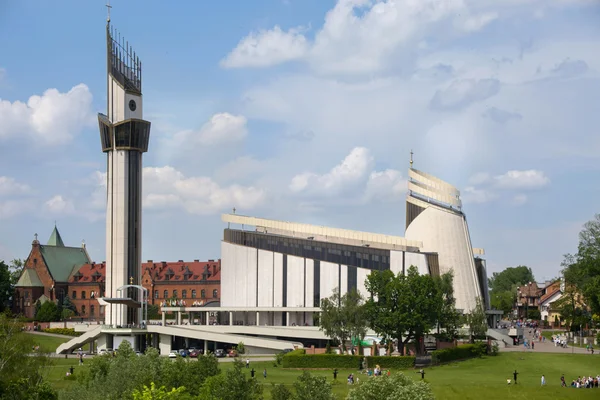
<point>306,111</point>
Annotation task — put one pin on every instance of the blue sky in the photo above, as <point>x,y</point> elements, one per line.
<point>307,111</point>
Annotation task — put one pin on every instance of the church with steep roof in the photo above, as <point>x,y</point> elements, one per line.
<point>53,271</point>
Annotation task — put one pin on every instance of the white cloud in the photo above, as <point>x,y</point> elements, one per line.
<point>10,187</point>
<point>462,93</point>
<point>52,118</point>
<point>220,129</point>
<point>478,196</point>
<point>350,171</point>
<point>166,187</point>
<point>475,22</point>
<point>388,185</point>
<point>59,205</point>
<point>267,47</point>
<point>529,179</point>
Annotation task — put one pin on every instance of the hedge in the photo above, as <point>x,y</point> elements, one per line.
<point>344,361</point>
<point>63,331</point>
<point>461,352</point>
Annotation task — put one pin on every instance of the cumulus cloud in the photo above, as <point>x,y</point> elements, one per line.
<point>267,47</point>
<point>462,93</point>
<point>570,68</point>
<point>388,185</point>
<point>59,205</point>
<point>478,196</point>
<point>9,186</point>
<point>166,187</point>
<point>353,168</point>
<point>52,118</point>
<point>529,179</point>
<point>220,129</point>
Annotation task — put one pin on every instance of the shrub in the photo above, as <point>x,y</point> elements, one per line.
<point>280,392</point>
<point>241,349</point>
<point>395,387</point>
<point>461,352</point>
<point>291,360</point>
<point>63,331</point>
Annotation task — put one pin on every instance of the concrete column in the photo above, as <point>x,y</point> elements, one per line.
<point>205,347</point>
<point>165,344</point>
<point>287,318</point>
<point>230,318</point>
<point>164,318</point>
<point>207,318</point>
<point>257,319</point>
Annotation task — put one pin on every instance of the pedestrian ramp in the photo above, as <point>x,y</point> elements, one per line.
<point>79,341</point>
<point>500,336</point>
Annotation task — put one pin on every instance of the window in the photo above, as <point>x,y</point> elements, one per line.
<point>92,309</point>
<point>215,294</point>
<point>74,295</point>
<point>156,294</point>
<point>203,293</point>
<point>82,310</point>
<point>174,294</point>
<point>101,310</point>
<point>26,294</point>
<point>166,294</point>
<point>193,293</point>
<point>184,294</point>
<point>83,294</point>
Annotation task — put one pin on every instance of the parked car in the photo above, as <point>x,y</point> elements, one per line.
<point>220,353</point>
<point>232,353</point>
<point>285,351</point>
<point>194,353</point>
<point>173,354</point>
<point>183,353</point>
<point>139,353</point>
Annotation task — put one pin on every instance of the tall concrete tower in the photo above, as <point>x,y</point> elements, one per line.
<point>124,135</point>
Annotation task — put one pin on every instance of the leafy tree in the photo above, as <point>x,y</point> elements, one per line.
<point>48,312</point>
<point>310,387</point>
<point>6,287</point>
<point>240,348</point>
<point>583,268</point>
<point>572,308</point>
<point>476,320</point>
<point>281,392</point>
<point>21,374</point>
<point>503,300</point>
<point>154,312</point>
<point>448,316</point>
<point>395,387</point>
<point>38,305</point>
<point>402,307</point>
<point>232,385</point>
<point>15,268</point>
<point>161,393</point>
<point>509,278</point>
<point>343,317</point>
<point>67,314</point>
<point>534,314</point>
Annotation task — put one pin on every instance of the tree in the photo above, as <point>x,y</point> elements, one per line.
<point>449,319</point>
<point>21,374</point>
<point>343,317</point>
<point>572,308</point>
<point>310,387</point>
<point>6,287</point>
<point>161,393</point>
<point>509,278</point>
<point>232,385</point>
<point>16,269</point>
<point>154,312</point>
<point>48,312</point>
<point>395,387</point>
<point>402,307</point>
<point>503,300</point>
<point>476,320</point>
<point>281,392</point>
<point>67,304</point>
<point>583,268</point>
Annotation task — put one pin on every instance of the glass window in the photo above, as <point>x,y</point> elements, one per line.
<point>215,294</point>
<point>156,294</point>
<point>83,294</point>
<point>174,294</point>
<point>92,309</point>
<point>83,310</point>
<point>203,293</point>
<point>74,295</point>
<point>166,294</point>
<point>193,293</point>
<point>184,294</point>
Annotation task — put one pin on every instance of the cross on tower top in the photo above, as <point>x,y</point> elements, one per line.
<point>36,235</point>
<point>234,210</point>
<point>108,7</point>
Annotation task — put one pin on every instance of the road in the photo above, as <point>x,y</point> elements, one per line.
<point>548,347</point>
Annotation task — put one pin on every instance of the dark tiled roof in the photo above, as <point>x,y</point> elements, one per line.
<point>63,261</point>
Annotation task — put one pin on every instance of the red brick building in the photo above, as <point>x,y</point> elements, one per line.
<point>55,271</point>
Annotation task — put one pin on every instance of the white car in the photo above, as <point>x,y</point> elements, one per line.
<point>173,354</point>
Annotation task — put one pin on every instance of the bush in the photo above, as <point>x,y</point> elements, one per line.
<point>292,360</point>
<point>461,352</point>
<point>395,387</point>
<point>63,331</point>
<point>241,349</point>
<point>280,392</point>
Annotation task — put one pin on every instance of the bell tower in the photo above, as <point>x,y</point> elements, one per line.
<point>124,136</point>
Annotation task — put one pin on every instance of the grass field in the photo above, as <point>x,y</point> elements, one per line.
<point>473,379</point>
<point>48,344</point>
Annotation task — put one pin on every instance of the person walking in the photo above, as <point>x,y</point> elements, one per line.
<point>543,380</point>
<point>247,363</point>
<point>265,373</point>
<point>515,376</point>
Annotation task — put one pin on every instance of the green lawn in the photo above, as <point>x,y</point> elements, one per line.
<point>473,379</point>
<point>48,344</point>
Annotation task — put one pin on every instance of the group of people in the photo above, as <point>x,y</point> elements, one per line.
<point>582,382</point>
